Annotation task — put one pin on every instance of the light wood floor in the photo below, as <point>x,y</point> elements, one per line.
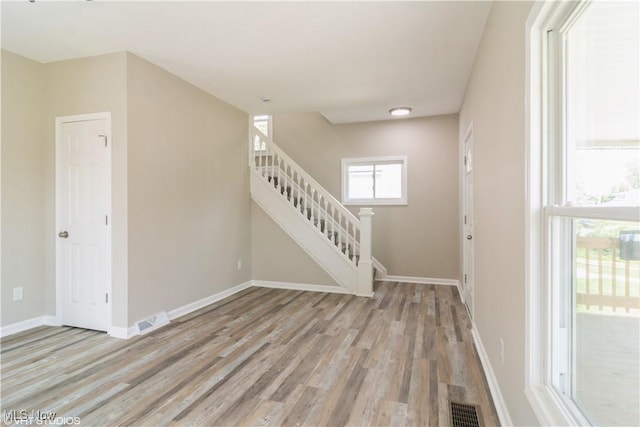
<point>262,357</point>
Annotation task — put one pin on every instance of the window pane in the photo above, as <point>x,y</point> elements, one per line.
<point>388,181</point>
<point>606,321</point>
<point>262,123</point>
<point>596,321</point>
<point>602,129</point>
<point>594,265</point>
<point>360,182</point>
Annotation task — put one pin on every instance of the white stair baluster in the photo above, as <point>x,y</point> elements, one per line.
<point>289,185</point>
<point>327,220</point>
<point>277,168</point>
<point>342,244</point>
<point>314,211</point>
<point>306,199</point>
<point>348,235</point>
<point>322,223</point>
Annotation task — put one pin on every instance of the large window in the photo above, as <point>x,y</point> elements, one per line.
<point>585,216</point>
<point>374,181</point>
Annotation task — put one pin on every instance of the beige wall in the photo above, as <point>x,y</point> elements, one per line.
<point>23,189</point>
<point>80,86</point>
<point>495,102</point>
<point>277,257</point>
<point>419,240</point>
<point>189,203</point>
<point>34,95</point>
<point>181,205</point>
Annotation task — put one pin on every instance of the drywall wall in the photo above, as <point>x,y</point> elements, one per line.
<point>188,195</point>
<point>277,257</point>
<point>80,86</point>
<point>495,103</point>
<point>23,160</point>
<point>420,239</point>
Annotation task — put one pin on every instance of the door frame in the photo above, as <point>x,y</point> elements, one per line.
<point>59,121</point>
<point>466,263</point>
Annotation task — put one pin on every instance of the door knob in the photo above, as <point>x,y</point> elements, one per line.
<point>469,237</point>
<point>63,234</point>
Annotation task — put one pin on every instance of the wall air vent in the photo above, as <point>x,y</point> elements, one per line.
<point>464,415</point>
<point>152,323</point>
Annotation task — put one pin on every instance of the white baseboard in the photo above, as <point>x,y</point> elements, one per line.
<point>197,305</point>
<point>381,270</point>
<point>52,321</point>
<point>122,332</point>
<point>300,286</point>
<point>131,331</point>
<point>494,387</point>
<point>115,331</point>
<point>422,280</point>
<point>14,328</point>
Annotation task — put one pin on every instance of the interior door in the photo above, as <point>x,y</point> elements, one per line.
<point>468,219</point>
<point>82,219</point>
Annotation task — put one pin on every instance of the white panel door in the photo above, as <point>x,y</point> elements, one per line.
<point>83,207</point>
<point>468,279</point>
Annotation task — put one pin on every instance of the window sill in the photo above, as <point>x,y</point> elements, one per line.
<point>550,408</point>
<point>374,202</point>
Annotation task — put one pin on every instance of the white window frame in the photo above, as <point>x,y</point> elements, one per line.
<point>259,148</point>
<point>363,161</point>
<point>551,407</point>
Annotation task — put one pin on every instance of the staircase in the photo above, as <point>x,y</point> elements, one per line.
<point>338,241</point>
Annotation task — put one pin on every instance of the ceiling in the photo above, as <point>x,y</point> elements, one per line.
<point>351,61</point>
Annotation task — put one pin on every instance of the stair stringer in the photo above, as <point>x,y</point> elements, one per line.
<point>308,237</point>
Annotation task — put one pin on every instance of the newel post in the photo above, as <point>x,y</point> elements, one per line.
<point>365,264</point>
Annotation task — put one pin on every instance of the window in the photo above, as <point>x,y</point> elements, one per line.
<point>263,124</point>
<point>374,181</point>
<point>584,237</point>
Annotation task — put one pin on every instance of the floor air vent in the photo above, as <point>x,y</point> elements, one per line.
<point>464,415</point>
<point>151,323</point>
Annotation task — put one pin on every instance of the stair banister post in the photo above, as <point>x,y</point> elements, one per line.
<point>365,264</point>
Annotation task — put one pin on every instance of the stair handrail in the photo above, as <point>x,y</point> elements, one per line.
<point>300,171</point>
<point>358,240</point>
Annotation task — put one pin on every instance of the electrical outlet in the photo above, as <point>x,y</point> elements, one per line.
<point>239,264</point>
<point>17,294</point>
<point>501,351</point>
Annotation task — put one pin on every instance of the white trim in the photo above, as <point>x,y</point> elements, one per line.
<point>547,405</point>
<point>14,328</point>
<point>422,280</point>
<point>197,305</point>
<point>131,331</point>
<point>59,121</point>
<point>535,346</point>
<point>51,321</point>
<point>379,269</point>
<point>492,381</point>
<point>335,263</point>
<point>468,226</point>
<point>344,182</point>
<point>24,325</point>
<point>123,333</point>
<point>300,286</point>
<point>549,408</point>
<point>620,213</point>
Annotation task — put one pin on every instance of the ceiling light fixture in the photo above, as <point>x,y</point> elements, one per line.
<point>400,111</point>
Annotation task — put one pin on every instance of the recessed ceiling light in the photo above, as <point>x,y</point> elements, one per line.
<point>400,111</point>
